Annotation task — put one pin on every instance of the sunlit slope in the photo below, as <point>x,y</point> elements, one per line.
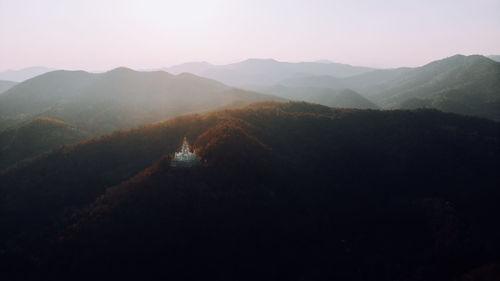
<point>118,99</point>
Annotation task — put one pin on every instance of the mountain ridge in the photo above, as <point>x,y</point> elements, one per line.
<point>119,99</point>
<point>342,98</point>
<point>33,137</point>
<point>268,171</point>
<point>265,71</point>
<point>461,84</point>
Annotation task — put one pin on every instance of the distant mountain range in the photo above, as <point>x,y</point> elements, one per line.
<point>118,99</point>
<point>344,98</point>
<point>461,84</point>
<point>24,74</point>
<point>90,104</point>
<point>258,72</point>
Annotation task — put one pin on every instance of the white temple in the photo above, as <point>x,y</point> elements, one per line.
<point>185,158</point>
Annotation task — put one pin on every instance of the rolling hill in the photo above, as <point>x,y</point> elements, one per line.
<point>254,73</point>
<point>285,190</point>
<point>35,137</point>
<point>343,98</point>
<point>118,99</point>
<point>461,84</point>
<point>5,85</point>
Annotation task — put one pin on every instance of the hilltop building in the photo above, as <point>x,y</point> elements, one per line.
<point>185,158</point>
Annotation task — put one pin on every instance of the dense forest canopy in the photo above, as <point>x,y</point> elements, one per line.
<point>284,190</point>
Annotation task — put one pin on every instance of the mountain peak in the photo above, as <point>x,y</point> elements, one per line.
<point>459,59</point>
<point>121,69</point>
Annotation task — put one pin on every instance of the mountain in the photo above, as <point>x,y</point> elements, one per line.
<point>495,57</point>
<point>5,85</point>
<point>324,61</point>
<point>34,137</point>
<point>461,84</point>
<point>321,81</point>
<point>367,83</point>
<point>23,74</point>
<point>190,67</point>
<point>344,98</point>
<point>254,73</point>
<point>118,99</point>
<point>284,190</point>
<point>36,95</point>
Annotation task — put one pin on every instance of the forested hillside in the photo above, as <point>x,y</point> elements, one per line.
<point>34,137</point>
<point>467,85</point>
<point>287,191</point>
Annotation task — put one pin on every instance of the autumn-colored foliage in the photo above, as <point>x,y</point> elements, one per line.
<point>288,191</point>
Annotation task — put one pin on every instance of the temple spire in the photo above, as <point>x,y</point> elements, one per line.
<point>185,158</point>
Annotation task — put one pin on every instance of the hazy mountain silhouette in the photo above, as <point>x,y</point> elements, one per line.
<point>344,98</point>
<point>34,137</point>
<point>36,95</point>
<point>190,67</point>
<point>461,84</point>
<point>266,72</point>
<point>5,85</point>
<point>365,83</point>
<point>283,189</point>
<point>117,99</point>
<point>322,81</point>
<point>23,74</point>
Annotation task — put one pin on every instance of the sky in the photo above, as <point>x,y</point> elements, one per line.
<point>103,34</point>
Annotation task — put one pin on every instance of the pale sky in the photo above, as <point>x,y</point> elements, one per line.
<point>103,34</point>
